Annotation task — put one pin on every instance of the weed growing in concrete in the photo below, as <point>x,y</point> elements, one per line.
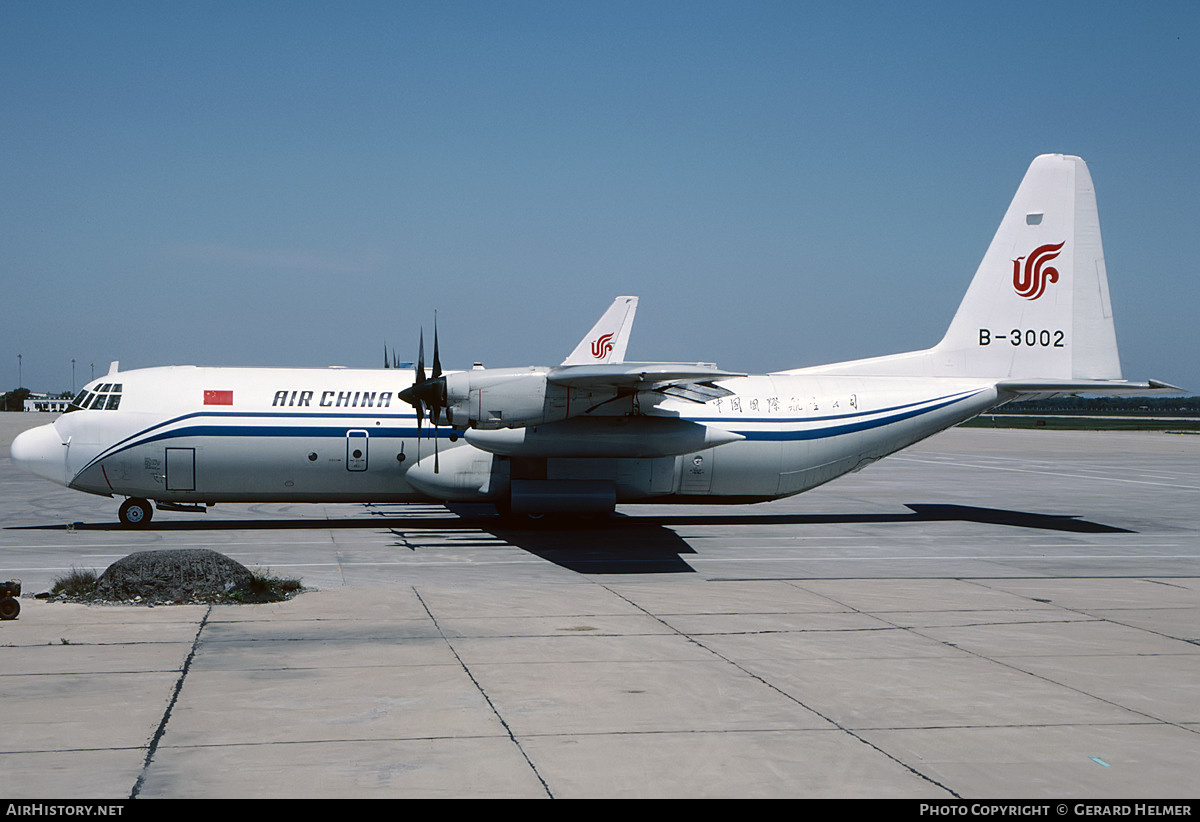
<point>80,582</point>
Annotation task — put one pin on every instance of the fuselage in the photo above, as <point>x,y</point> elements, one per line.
<point>194,435</point>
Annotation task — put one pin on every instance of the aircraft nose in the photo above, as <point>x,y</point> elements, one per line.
<point>40,451</point>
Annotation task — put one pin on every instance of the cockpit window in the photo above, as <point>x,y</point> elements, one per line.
<point>107,397</point>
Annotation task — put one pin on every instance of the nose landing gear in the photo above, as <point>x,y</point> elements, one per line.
<point>135,513</point>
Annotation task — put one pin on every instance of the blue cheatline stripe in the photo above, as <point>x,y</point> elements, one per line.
<point>848,428</point>
<point>273,431</point>
<point>251,414</point>
<point>141,437</point>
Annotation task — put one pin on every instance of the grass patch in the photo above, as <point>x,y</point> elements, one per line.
<point>264,587</point>
<point>80,583</point>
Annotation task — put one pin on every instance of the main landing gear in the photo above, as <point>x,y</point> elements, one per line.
<point>136,513</point>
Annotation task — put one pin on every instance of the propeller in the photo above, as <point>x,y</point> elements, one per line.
<point>394,362</point>
<point>428,393</point>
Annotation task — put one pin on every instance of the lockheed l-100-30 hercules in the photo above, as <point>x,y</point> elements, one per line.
<point>596,431</point>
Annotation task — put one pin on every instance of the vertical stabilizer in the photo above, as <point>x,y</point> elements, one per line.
<point>608,339</point>
<point>1038,306</point>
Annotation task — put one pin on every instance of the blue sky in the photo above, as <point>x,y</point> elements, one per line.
<point>782,183</point>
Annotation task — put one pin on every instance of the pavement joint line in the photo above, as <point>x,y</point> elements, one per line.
<point>483,692</point>
<point>152,748</point>
<point>837,725</point>
<point>998,660</point>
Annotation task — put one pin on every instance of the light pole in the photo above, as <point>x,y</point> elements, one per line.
<point>72,376</point>
<point>20,379</point>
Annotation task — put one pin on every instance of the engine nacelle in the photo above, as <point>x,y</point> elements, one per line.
<point>460,474</point>
<point>511,398</point>
<point>635,437</point>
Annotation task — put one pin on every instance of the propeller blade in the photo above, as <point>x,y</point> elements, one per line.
<point>420,415</point>
<point>437,363</point>
<point>421,360</point>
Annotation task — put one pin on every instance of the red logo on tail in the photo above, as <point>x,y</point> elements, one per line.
<point>1030,281</point>
<point>601,346</point>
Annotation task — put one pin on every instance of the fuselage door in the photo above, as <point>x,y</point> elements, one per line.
<point>356,450</point>
<point>181,469</point>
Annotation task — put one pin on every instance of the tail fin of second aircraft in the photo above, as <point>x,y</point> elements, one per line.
<point>609,337</point>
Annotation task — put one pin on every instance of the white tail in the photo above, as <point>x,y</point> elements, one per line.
<point>1038,306</point>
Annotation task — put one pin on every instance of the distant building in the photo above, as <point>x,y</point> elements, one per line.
<point>47,402</point>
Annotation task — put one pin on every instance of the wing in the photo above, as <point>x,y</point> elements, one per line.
<point>690,381</point>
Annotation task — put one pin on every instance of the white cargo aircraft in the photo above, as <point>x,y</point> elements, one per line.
<point>597,431</point>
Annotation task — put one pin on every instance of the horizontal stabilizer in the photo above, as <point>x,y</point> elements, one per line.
<point>1113,388</point>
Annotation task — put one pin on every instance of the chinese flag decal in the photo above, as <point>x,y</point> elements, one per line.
<point>218,398</point>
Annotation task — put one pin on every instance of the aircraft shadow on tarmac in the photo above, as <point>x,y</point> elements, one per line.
<point>649,545</point>
<point>622,544</point>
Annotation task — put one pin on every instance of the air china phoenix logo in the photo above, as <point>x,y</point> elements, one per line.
<point>601,346</point>
<point>1030,280</point>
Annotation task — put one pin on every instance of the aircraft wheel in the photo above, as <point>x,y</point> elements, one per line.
<point>136,513</point>
<point>9,608</point>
